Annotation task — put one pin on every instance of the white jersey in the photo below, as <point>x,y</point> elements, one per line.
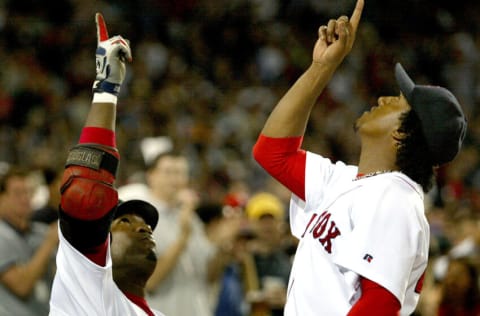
<point>82,287</point>
<point>374,227</point>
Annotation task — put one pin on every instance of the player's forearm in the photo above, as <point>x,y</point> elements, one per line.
<point>166,263</point>
<point>102,111</point>
<point>290,116</point>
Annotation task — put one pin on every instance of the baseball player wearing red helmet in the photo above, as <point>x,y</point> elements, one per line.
<point>106,250</point>
<point>363,236</point>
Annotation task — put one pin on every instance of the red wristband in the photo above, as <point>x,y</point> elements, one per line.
<point>98,135</point>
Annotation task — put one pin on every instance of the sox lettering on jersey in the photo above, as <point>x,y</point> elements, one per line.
<point>323,229</point>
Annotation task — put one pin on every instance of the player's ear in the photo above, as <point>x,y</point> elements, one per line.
<point>397,137</point>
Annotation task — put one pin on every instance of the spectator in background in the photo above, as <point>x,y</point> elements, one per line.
<point>49,212</point>
<point>26,249</point>
<point>223,229</point>
<point>460,291</point>
<point>238,277</point>
<point>266,214</point>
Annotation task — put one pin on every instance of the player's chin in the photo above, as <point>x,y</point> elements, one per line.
<point>151,248</point>
<point>360,121</point>
<point>151,251</point>
<point>152,256</point>
<point>147,246</point>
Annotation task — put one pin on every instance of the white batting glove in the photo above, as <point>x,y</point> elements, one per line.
<point>111,55</point>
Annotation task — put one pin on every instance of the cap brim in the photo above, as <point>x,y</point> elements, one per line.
<point>405,83</point>
<point>141,208</point>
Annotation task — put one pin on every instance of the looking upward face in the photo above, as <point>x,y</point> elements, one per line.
<point>132,243</point>
<point>383,119</point>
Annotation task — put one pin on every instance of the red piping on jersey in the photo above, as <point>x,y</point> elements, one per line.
<point>98,254</point>
<point>140,302</point>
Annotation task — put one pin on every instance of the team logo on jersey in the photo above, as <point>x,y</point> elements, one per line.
<point>368,258</point>
<point>323,229</point>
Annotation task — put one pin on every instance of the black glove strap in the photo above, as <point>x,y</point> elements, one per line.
<point>93,158</point>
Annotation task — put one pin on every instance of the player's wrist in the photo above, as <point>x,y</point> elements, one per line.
<point>106,86</point>
<point>104,97</point>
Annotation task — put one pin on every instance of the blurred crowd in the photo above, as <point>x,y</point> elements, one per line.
<point>206,73</point>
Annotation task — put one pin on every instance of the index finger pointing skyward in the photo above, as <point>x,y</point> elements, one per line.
<point>357,13</point>
<point>102,33</point>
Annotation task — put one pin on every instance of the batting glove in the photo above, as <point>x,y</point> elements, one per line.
<point>111,55</point>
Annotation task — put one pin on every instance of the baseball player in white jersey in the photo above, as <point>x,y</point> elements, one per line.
<point>106,252</point>
<point>363,236</point>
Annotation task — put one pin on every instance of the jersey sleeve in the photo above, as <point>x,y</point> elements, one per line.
<point>388,237</point>
<point>79,283</point>
<point>320,176</point>
<point>84,288</point>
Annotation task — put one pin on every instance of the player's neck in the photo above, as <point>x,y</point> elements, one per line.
<point>128,283</point>
<point>131,288</point>
<point>377,155</point>
<point>376,162</point>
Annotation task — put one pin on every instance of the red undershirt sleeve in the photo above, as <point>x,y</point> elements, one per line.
<point>375,300</point>
<point>98,254</point>
<point>283,159</point>
<point>98,135</point>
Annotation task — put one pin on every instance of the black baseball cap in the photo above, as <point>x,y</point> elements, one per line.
<point>443,121</point>
<point>138,207</point>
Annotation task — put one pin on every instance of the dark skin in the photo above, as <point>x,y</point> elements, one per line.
<point>133,253</point>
